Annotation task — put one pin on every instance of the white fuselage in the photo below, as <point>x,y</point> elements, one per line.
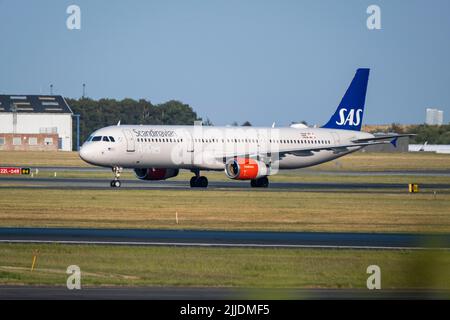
<point>206,148</point>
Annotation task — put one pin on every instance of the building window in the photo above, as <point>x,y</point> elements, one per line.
<point>2,140</point>
<point>48,141</point>
<point>17,141</point>
<point>32,141</point>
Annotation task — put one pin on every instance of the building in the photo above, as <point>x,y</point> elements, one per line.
<point>438,148</point>
<point>434,117</point>
<point>29,142</point>
<point>35,122</point>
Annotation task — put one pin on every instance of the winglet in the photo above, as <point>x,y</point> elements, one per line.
<point>394,142</point>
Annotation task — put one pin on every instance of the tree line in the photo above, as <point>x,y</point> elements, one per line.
<point>424,132</point>
<point>96,114</point>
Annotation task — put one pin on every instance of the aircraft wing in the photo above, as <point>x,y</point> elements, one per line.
<point>336,148</point>
<point>383,137</point>
<point>305,151</point>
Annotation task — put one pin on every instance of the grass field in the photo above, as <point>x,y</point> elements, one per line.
<point>227,210</point>
<point>258,268</point>
<point>360,161</point>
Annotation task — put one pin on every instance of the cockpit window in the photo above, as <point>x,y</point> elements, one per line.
<point>105,138</point>
<point>112,139</point>
<point>97,138</point>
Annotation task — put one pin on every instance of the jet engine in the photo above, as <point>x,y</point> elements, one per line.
<point>245,169</point>
<point>155,173</point>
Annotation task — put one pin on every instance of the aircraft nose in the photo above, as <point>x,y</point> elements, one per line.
<point>86,153</point>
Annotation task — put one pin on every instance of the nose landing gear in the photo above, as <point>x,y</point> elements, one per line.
<point>116,182</point>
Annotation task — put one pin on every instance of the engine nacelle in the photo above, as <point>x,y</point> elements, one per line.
<point>155,173</point>
<point>245,169</point>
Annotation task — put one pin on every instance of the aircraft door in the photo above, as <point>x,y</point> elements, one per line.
<point>190,143</point>
<point>129,137</point>
<point>189,147</point>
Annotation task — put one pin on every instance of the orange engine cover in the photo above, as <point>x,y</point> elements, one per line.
<point>245,169</point>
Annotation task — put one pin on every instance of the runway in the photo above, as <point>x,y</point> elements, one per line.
<point>202,238</point>
<point>127,184</point>
<point>212,293</point>
<point>306,171</point>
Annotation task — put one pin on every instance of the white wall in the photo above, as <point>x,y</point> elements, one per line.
<point>33,122</point>
<point>438,148</point>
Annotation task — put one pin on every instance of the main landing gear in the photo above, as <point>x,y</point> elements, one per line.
<point>260,183</point>
<point>198,181</point>
<point>116,182</point>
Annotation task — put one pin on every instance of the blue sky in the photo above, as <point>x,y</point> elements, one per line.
<point>234,60</point>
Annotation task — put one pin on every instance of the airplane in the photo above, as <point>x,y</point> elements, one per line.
<point>158,152</point>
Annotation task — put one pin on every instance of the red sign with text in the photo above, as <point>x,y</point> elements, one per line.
<point>12,171</point>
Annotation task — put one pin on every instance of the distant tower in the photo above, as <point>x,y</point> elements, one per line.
<point>51,89</point>
<point>434,117</point>
<point>84,90</point>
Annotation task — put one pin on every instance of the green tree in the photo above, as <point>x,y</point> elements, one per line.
<point>95,114</point>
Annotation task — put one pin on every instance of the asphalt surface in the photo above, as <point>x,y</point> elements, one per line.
<point>21,182</point>
<point>188,293</point>
<point>201,238</point>
<point>26,182</point>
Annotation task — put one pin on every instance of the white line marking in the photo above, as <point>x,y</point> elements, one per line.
<point>195,244</point>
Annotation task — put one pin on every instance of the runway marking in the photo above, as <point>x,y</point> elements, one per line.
<point>231,245</point>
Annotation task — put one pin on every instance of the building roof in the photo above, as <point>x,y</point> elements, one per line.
<point>34,104</point>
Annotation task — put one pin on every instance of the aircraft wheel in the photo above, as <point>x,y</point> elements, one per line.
<point>260,183</point>
<point>202,182</point>
<point>264,182</point>
<point>199,182</point>
<point>193,182</point>
<point>116,183</point>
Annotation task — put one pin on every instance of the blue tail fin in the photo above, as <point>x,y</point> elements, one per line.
<point>350,111</point>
